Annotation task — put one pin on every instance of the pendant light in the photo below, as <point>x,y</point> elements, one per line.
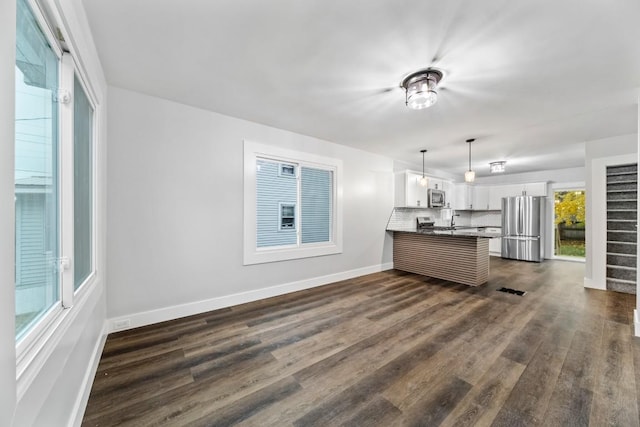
<point>470,176</point>
<point>423,181</point>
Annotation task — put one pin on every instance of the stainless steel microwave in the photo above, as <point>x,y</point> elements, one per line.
<point>437,198</point>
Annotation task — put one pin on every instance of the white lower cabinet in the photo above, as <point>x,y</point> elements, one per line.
<point>495,245</point>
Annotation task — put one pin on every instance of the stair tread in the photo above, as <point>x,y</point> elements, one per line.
<point>622,173</point>
<point>631,282</point>
<point>622,267</point>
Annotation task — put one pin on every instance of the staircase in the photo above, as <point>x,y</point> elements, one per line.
<point>622,220</point>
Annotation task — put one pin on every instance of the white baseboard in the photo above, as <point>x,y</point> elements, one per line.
<point>87,382</point>
<point>636,323</point>
<point>590,283</point>
<point>174,312</point>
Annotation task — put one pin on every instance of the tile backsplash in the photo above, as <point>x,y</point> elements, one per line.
<point>406,217</point>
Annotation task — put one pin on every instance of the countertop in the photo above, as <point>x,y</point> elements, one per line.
<point>462,231</point>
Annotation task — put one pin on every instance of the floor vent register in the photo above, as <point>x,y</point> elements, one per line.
<point>512,291</point>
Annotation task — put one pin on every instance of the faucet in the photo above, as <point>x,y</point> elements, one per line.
<point>453,221</point>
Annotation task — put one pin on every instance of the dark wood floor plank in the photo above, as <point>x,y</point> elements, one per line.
<point>530,396</point>
<point>386,349</point>
<point>245,407</point>
<point>481,405</point>
<point>571,401</point>
<point>437,404</point>
<point>379,412</point>
<point>615,401</point>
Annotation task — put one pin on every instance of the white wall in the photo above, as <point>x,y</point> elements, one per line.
<point>600,154</point>
<point>56,394</point>
<point>7,293</point>
<point>175,214</point>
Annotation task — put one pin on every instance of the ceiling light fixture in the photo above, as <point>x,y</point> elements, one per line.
<point>469,176</point>
<point>420,88</point>
<point>497,167</point>
<point>423,181</point>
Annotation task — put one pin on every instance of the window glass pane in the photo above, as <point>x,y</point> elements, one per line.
<point>36,174</point>
<point>287,216</point>
<point>272,190</point>
<point>316,205</point>
<point>82,184</point>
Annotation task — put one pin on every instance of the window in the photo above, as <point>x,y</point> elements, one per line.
<point>288,170</point>
<point>82,185</point>
<point>53,179</point>
<point>36,173</point>
<point>287,218</point>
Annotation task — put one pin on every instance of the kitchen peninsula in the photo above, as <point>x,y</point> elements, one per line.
<point>459,254</point>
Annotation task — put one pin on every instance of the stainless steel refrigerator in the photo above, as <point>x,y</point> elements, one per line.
<point>523,228</point>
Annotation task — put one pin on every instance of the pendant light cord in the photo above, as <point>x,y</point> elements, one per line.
<point>469,141</point>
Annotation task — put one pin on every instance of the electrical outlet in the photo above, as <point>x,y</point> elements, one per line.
<point>121,324</point>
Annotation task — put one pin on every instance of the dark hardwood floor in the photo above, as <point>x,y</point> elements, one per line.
<point>386,349</point>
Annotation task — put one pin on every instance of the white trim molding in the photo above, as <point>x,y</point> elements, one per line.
<point>636,323</point>
<point>592,284</point>
<point>597,218</point>
<point>82,398</point>
<point>174,312</point>
<point>254,255</point>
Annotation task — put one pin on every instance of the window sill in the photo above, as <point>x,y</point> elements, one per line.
<point>34,355</point>
<point>291,253</point>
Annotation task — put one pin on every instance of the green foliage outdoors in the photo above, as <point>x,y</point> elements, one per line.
<point>569,208</point>
<point>571,248</point>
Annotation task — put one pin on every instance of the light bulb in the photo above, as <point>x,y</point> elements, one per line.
<point>424,181</point>
<point>469,176</point>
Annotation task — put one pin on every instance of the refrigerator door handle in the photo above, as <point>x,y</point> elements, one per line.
<point>520,215</point>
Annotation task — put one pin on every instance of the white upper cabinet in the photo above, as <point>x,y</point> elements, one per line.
<point>535,189</point>
<point>409,192</point>
<point>471,197</point>
<point>497,192</point>
<point>462,197</point>
<point>489,197</point>
<point>480,201</point>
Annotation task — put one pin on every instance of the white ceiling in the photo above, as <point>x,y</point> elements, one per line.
<point>531,80</point>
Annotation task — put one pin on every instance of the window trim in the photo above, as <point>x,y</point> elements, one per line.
<point>30,337</point>
<point>38,343</point>
<point>254,255</point>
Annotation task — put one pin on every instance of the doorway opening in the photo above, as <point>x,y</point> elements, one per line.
<point>569,221</point>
